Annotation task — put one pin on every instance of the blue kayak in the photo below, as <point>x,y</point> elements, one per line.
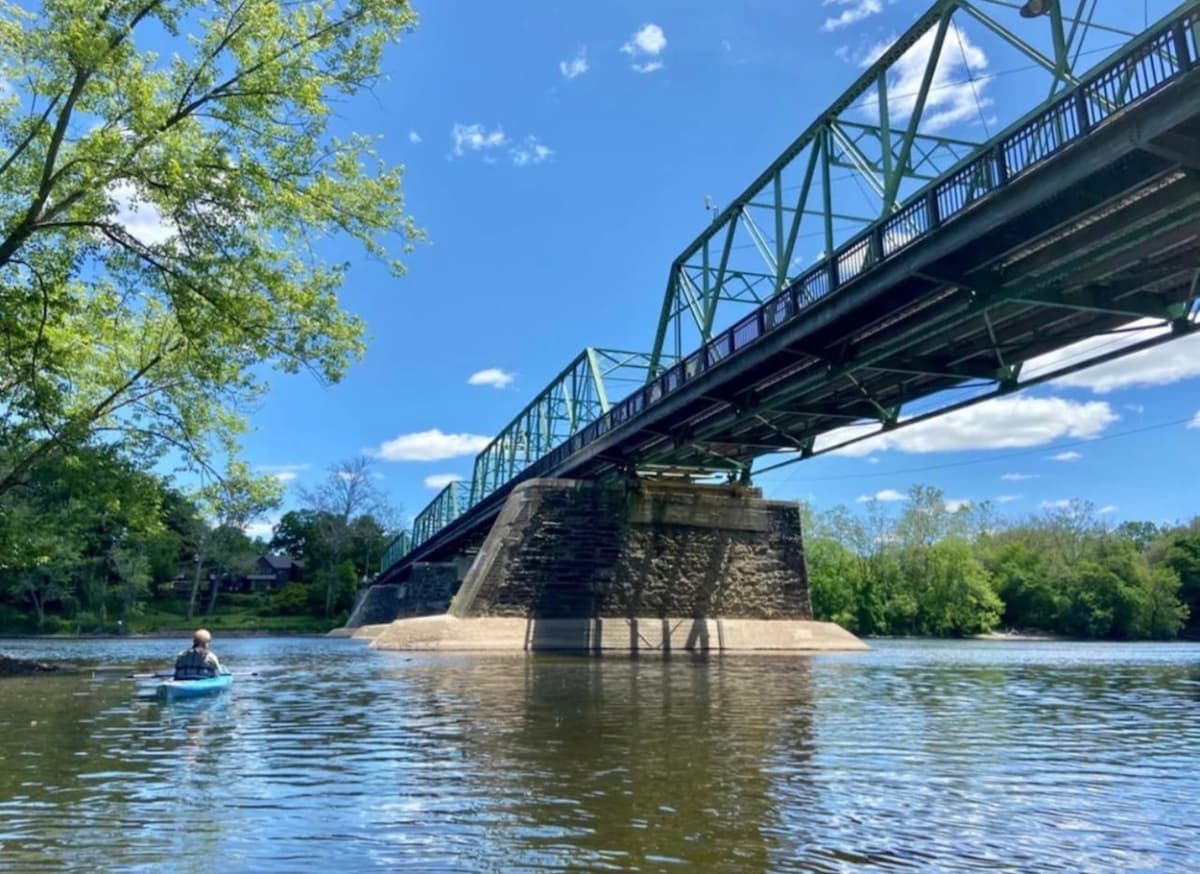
<point>172,689</point>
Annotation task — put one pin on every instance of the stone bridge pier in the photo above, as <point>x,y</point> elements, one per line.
<point>638,566</point>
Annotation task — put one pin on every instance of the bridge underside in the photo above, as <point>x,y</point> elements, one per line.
<point>1119,245</point>
<point>1103,234</point>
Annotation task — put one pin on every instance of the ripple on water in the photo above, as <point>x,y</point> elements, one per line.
<point>1014,757</point>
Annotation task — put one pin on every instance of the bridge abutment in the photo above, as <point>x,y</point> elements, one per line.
<point>578,549</point>
<point>635,566</point>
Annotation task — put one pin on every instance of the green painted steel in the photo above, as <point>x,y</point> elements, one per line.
<point>396,550</point>
<point>885,138</point>
<point>450,503</point>
<point>579,394</point>
<point>920,180</point>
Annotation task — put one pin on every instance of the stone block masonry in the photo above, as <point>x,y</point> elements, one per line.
<point>427,591</point>
<point>575,549</point>
<point>626,567</point>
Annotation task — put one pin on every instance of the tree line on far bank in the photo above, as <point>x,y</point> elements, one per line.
<point>929,569</point>
<point>92,543</point>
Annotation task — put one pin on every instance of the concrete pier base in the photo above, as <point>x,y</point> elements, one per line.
<point>616,566</point>
<point>635,636</point>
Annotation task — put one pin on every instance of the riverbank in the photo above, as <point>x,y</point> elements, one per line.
<point>14,667</point>
<point>169,634</point>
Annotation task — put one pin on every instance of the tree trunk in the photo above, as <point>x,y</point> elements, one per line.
<point>195,589</point>
<point>39,604</point>
<point>130,597</point>
<point>212,594</point>
<point>330,578</point>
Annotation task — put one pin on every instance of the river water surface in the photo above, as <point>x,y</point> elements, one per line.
<point>326,756</point>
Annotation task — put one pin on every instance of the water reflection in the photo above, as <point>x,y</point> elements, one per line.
<point>926,756</point>
<point>627,762</point>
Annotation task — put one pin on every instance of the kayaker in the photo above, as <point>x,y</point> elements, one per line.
<point>199,661</point>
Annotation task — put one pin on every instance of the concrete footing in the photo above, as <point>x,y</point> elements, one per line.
<point>574,566</point>
<point>447,633</point>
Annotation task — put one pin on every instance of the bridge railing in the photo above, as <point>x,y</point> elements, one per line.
<point>395,550</point>
<point>450,503</point>
<point>1159,56</point>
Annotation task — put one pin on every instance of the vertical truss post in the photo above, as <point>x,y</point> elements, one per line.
<point>827,194</point>
<point>781,275</point>
<point>597,379</point>
<point>780,264</point>
<point>892,188</point>
<point>885,127</point>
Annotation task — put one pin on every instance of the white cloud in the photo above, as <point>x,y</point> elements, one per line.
<point>1016,477</point>
<point>1195,423</point>
<point>853,11</point>
<point>264,529</point>
<point>440,480</point>
<point>1069,455</point>
<point>1105,510</point>
<point>140,219</point>
<point>953,505</point>
<point>475,138</point>
<point>956,93</point>
<point>882,495</point>
<point>577,66</point>
<point>431,445</point>
<point>1166,363</point>
<point>492,376</point>
<point>414,137</point>
<point>650,40</point>
<point>1136,408</point>
<point>285,473</point>
<point>529,151</point>
<point>873,460</point>
<point>1060,504</point>
<point>648,67</point>
<point>1003,423</point>
<point>1007,499</point>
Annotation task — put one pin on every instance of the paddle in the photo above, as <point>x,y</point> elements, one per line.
<point>170,675</point>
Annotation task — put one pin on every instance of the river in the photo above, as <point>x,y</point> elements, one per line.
<point>325,755</point>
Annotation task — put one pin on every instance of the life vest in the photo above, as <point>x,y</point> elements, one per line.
<point>195,663</point>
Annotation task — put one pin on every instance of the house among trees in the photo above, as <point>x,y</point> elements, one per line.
<point>274,572</point>
<point>270,572</point>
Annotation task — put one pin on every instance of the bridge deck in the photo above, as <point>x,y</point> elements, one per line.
<point>1002,261</point>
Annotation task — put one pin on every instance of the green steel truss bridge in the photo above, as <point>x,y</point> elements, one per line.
<point>950,270</point>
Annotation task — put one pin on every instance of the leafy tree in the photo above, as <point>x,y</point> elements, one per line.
<point>297,533</point>
<point>233,502</point>
<point>41,559</point>
<point>340,505</point>
<point>168,170</point>
<point>1180,551</point>
<point>64,524</point>
<point>132,569</point>
<point>958,599</point>
<point>1160,613</point>
<point>1023,583</point>
<point>1140,534</point>
<point>833,577</point>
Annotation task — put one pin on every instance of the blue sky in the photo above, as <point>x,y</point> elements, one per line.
<point>559,155</point>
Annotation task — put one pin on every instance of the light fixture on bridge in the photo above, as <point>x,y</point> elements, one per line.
<point>1034,8</point>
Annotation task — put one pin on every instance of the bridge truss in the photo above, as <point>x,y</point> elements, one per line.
<point>885,138</point>
<point>961,274</point>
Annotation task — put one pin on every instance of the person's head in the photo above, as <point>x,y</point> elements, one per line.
<point>201,637</point>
